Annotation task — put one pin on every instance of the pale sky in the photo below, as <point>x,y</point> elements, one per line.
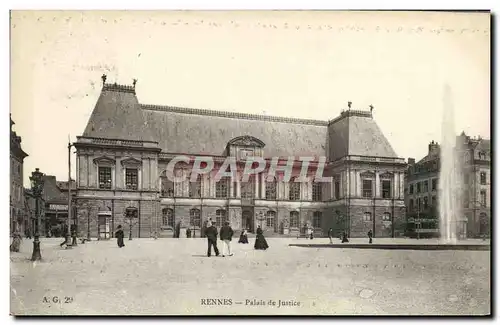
<point>308,65</point>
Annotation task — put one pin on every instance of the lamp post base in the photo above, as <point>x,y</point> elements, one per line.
<point>37,255</point>
<point>68,242</point>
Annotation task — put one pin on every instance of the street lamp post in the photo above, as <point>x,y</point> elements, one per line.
<point>37,182</point>
<point>131,217</point>
<point>88,223</point>
<point>68,234</point>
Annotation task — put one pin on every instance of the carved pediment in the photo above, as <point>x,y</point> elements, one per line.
<point>131,162</point>
<point>367,175</point>
<point>104,160</point>
<point>386,175</point>
<point>247,141</point>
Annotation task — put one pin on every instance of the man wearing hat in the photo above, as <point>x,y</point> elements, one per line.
<point>211,234</point>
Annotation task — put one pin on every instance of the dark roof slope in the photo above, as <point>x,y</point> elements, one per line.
<point>356,133</point>
<point>118,115</point>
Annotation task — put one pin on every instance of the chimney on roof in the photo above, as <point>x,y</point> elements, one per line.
<point>433,146</point>
<point>411,161</point>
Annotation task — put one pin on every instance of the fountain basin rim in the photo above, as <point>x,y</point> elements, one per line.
<point>434,247</point>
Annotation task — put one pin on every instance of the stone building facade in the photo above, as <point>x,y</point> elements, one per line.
<point>126,146</point>
<point>422,185</point>
<point>19,220</point>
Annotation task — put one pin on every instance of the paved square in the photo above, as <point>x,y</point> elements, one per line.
<point>174,277</point>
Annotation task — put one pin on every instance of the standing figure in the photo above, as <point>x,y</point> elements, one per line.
<point>188,232</point>
<point>344,237</point>
<point>119,236</point>
<point>16,242</point>
<point>243,237</point>
<point>28,233</point>
<point>370,236</point>
<point>330,235</point>
<point>226,235</point>
<point>311,233</point>
<point>65,231</point>
<point>211,234</point>
<point>260,241</point>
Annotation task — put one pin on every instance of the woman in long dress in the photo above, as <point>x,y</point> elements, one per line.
<point>119,237</point>
<point>243,237</point>
<point>260,241</point>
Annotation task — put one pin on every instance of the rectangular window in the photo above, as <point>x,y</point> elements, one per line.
<point>411,188</point>
<point>271,190</point>
<point>418,187</point>
<point>294,190</point>
<point>317,191</point>
<point>426,202</point>
<point>426,186</point>
<point>131,178</point>
<point>221,188</point>
<point>434,184</point>
<point>483,178</point>
<point>195,188</point>
<point>317,219</point>
<point>386,216</point>
<point>105,177</point>
<point>367,188</point>
<point>433,201</point>
<point>386,189</point>
<point>483,198</point>
<point>367,216</point>
<point>337,190</point>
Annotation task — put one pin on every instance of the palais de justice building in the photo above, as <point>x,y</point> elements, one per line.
<point>126,146</point>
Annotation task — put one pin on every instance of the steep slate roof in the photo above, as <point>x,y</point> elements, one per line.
<point>118,115</point>
<point>356,133</point>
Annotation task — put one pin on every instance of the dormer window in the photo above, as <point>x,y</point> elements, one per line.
<point>244,147</point>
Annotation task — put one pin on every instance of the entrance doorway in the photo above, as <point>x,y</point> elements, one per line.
<point>104,225</point>
<point>247,220</point>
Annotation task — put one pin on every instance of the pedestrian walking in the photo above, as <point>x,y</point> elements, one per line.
<point>260,241</point>
<point>226,235</point>
<point>330,235</point>
<point>119,236</point>
<point>243,237</point>
<point>311,233</point>
<point>344,237</point>
<point>370,236</point>
<point>211,234</point>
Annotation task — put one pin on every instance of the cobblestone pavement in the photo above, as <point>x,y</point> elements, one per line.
<point>174,277</point>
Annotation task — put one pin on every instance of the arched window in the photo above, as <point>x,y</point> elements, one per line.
<point>317,219</point>
<point>386,216</point>
<point>294,219</point>
<point>195,188</point>
<point>317,190</point>
<point>220,217</point>
<point>168,218</point>
<point>367,216</point>
<point>222,187</point>
<point>248,188</point>
<point>167,186</point>
<point>195,218</point>
<point>294,191</point>
<point>270,219</point>
<point>271,189</point>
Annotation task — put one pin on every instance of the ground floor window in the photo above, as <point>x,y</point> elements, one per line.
<point>294,219</point>
<point>168,218</point>
<point>317,219</point>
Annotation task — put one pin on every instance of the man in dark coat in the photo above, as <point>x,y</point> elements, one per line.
<point>119,236</point>
<point>344,237</point>
<point>226,235</point>
<point>211,234</point>
<point>330,235</point>
<point>370,236</point>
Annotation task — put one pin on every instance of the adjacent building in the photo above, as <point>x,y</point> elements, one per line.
<point>125,148</point>
<point>422,189</point>
<point>18,218</point>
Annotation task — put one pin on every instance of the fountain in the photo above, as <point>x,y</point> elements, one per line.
<point>450,175</point>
